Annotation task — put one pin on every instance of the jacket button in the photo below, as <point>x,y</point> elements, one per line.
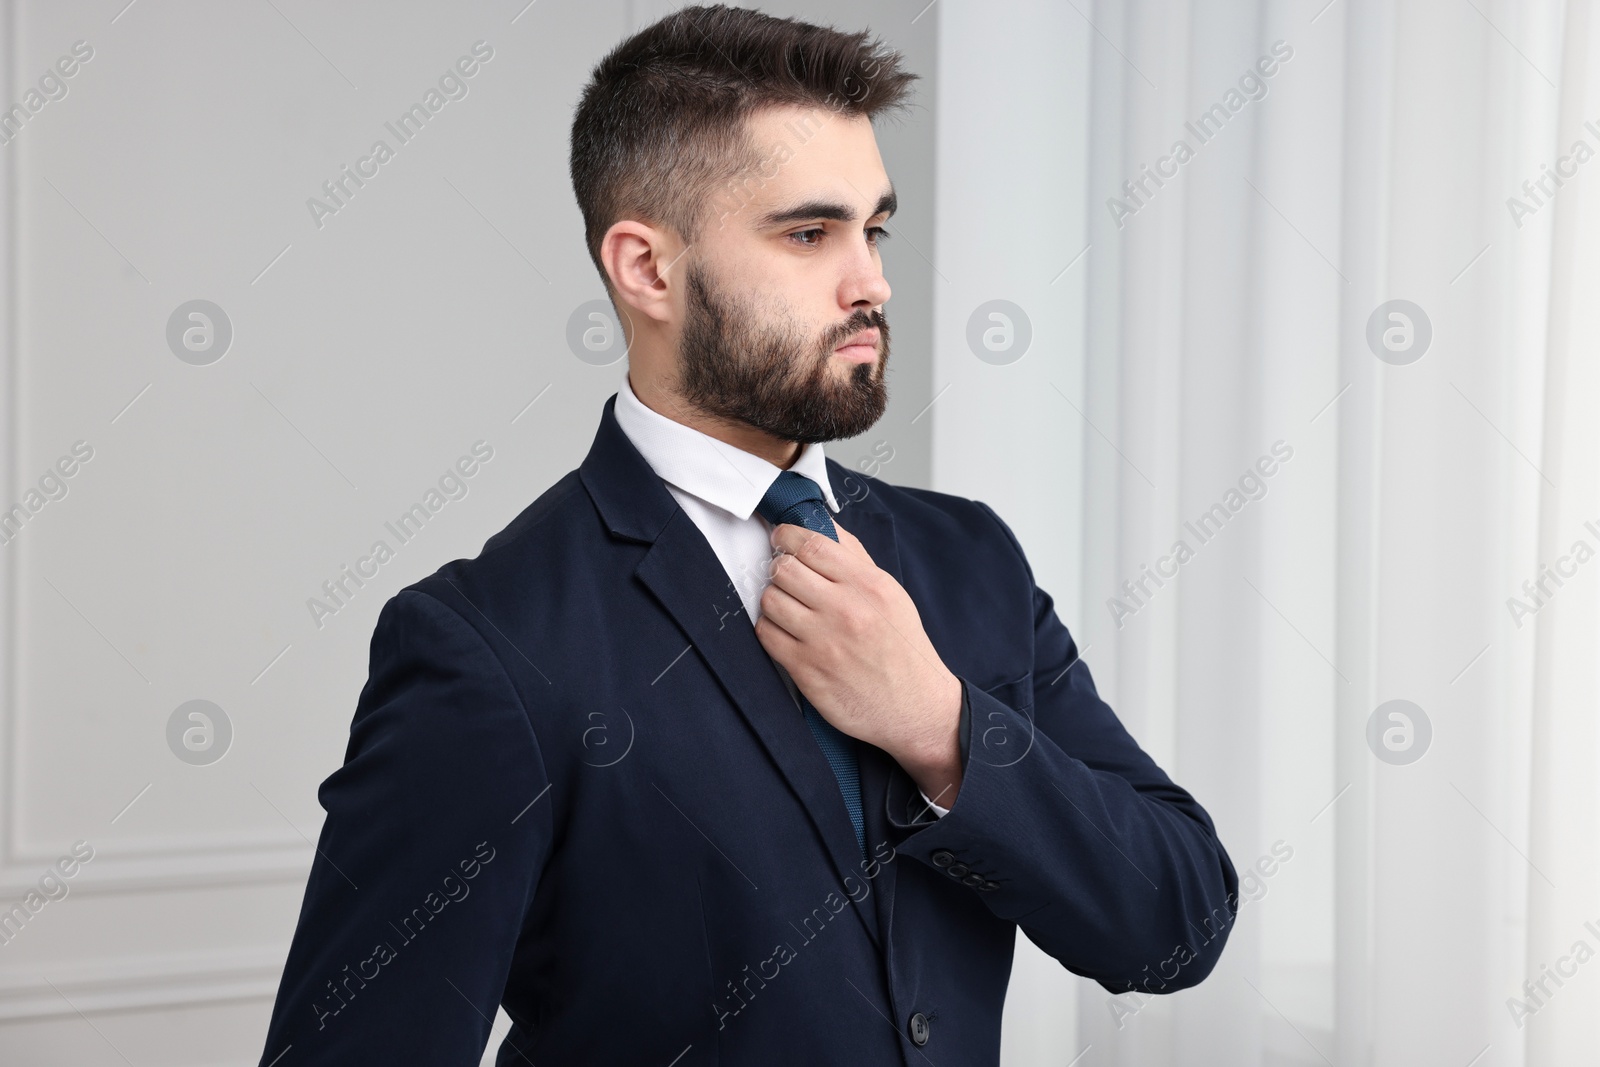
<point>989,886</point>
<point>974,880</point>
<point>942,858</point>
<point>919,1028</point>
<point>959,870</point>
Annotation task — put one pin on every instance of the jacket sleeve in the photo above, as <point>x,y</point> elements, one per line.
<point>437,828</point>
<point>1075,834</point>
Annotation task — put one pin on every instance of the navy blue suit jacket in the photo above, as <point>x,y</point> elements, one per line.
<point>577,787</point>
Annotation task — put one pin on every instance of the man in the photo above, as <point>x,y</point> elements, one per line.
<point>668,804</point>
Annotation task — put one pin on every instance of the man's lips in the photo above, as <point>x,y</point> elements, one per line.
<point>861,348</point>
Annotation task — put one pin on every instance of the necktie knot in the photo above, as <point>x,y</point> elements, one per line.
<point>796,499</point>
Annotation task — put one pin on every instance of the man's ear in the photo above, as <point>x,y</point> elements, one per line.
<point>638,259</point>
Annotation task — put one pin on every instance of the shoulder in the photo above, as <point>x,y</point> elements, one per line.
<point>526,560</point>
<point>943,515</point>
<point>927,517</point>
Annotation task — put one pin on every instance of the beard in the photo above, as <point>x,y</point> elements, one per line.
<point>740,364</point>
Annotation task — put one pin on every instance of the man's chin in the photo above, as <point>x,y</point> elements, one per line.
<point>860,422</point>
<point>833,429</point>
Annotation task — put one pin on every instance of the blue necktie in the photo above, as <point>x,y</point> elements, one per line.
<point>794,498</point>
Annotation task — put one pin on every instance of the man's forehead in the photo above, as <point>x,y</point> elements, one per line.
<point>811,158</point>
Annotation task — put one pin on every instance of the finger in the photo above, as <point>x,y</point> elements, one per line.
<point>817,551</point>
<point>791,574</point>
<point>785,612</point>
<point>778,642</point>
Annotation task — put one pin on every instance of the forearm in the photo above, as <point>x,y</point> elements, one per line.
<point>1108,870</point>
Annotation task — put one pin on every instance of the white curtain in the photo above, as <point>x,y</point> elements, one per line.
<point>1563,801</point>
<point>1399,903</point>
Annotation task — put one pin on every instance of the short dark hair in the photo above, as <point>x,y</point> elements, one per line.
<point>662,122</point>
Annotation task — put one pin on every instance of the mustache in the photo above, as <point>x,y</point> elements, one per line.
<point>861,320</point>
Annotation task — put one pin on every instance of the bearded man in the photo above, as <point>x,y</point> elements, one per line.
<point>721,753</point>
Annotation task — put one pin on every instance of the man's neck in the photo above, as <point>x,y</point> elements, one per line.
<point>746,438</point>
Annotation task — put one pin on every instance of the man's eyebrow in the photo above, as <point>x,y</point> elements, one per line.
<point>826,209</point>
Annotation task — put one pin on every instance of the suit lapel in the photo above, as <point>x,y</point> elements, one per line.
<point>684,574</point>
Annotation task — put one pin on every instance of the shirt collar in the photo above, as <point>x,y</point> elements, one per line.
<point>699,464</point>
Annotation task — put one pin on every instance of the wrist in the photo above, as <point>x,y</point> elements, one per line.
<point>934,759</point>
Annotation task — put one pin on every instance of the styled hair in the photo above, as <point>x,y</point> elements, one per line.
<point>661,126</point>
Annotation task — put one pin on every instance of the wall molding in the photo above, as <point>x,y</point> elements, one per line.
<point>261,864</point>
<point>145,984</point>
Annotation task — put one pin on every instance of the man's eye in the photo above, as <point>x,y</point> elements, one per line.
<point>874,235</point>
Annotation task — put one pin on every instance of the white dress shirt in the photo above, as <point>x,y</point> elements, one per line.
<point>719,486</point>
